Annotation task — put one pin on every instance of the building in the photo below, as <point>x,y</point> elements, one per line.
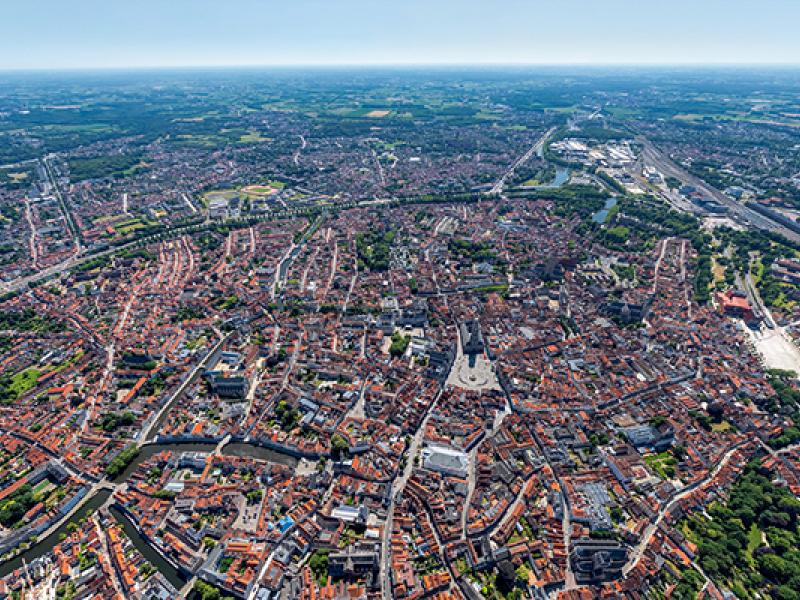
<point>471,338</point>
<point>355,561</point>
<point>735,304</point>
<point>234,386</point>
<point>596,561</point>
<point>445,460</point>
<point>218,208</point>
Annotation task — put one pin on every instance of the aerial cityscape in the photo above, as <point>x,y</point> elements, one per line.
<point>440,332</point>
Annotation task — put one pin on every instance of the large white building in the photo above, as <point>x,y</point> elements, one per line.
<point>445,460</point>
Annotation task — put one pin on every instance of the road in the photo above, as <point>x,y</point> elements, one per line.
<point>34,246</point>
<point>662,250</point>
<point>188,380</point>
<point>500,184</point>
<point>296,156</point>
<point>397,488</point>
<point>65,209</point>
<point>22,283</point>
<point>471,481</point>
<point>755,299</point>
<point>650,530</point>
<point>189,202</point>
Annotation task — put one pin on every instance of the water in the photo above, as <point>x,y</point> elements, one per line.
<point>45,546</point>
<point>259,452</point>
<point>238,449</point>
<point>146,550</point>
<point>561,177</point>
<point>601,215</point>
<point>148,451</point>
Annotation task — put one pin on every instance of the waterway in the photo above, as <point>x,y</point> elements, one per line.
<point>146,550</point>
<point>238,449</point>
<point>560,178</point>
<point>46,545</point>
<point>92,503</point>
<point>601,215</point>
<point>260,453</point>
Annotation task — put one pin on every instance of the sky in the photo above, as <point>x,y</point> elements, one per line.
<point>70,34</point>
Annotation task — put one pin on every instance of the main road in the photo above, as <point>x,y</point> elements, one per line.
<point>397,488</point>
<point>497,188</point>
<point>653,526</point>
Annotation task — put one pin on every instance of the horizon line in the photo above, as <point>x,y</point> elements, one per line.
<point>368,65</point>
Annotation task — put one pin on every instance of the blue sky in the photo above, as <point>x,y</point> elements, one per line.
<point>139,33</point>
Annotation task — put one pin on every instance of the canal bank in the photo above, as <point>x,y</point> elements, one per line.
<point>46,545</point>
<point>172,572</point>
<point>93,502</point>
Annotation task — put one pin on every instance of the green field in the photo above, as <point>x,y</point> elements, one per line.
<point>253,137</point>
<point>20,383</point>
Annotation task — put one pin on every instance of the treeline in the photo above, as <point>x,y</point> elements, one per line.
<point>116,165</point>
<point>122,460</point>
<point>475,251</point>
<point>729,539</point>
<point>786,401</point>
<point>27,320</point>
<point>14,507</point>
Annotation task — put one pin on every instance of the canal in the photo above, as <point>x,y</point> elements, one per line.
<point>92,503</point>
<point>146,550</point>
<point>45,545</point>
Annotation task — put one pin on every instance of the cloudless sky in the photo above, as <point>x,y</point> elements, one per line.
<point>140,33</point>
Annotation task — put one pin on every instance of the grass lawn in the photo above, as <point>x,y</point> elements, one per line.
<point>40,487</point>
<point>193,344</point>
<point>226,194</point>
<point>720,427</point>
<point>753,542</point>
<point>24,381</point>
<point>660,462</point>
<point>717,270</point>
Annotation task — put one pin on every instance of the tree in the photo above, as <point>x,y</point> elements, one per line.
<point>774,567</point>
<point>786,592</point>
<point>679,452</point>
<point>318,563</point>
<point>339,446</point>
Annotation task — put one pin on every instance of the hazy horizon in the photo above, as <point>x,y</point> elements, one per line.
<point>314,33</point>
<point>556,67</point>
